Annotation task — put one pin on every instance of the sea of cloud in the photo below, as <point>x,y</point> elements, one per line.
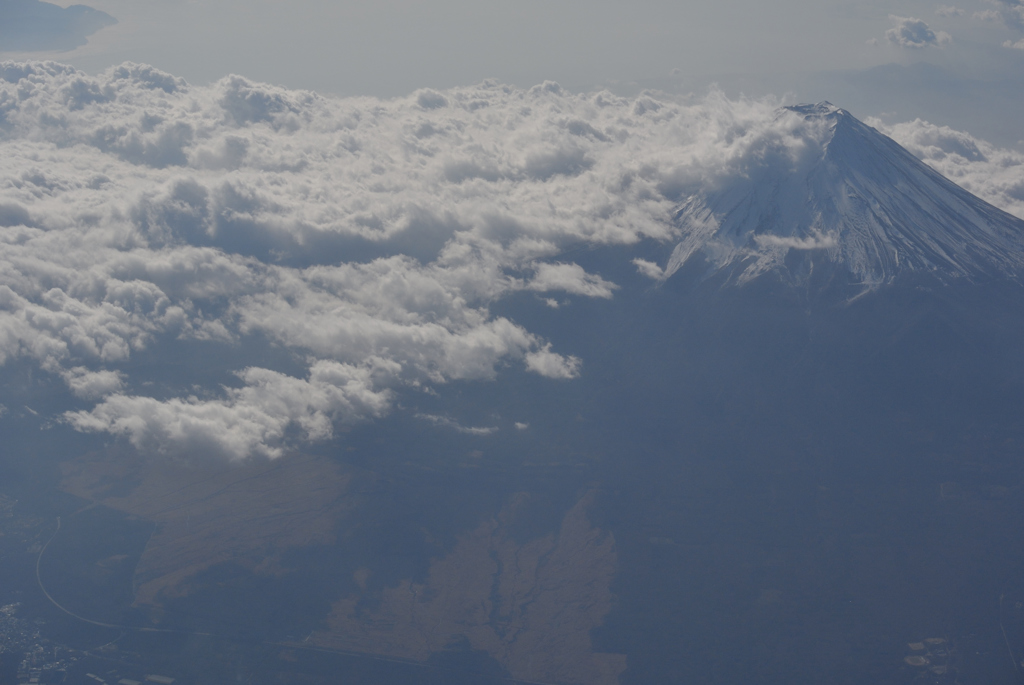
<point>366,238</point>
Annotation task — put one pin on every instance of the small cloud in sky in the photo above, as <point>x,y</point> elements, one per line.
<point>1019,45</point>
<point>815,242</point>
<point>949,11</point>
<point>572,279</point>
<point>520,426</point>
<point>87,384</point>
<point>908,32</point>
<point>32,26</point>
<point>446,422</point>
<point>649,269</point>
<point>551,364</point>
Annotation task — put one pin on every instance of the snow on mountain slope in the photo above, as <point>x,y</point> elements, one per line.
<point>846,197</point>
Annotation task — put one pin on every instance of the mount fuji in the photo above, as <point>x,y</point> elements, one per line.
<point>846,199</point>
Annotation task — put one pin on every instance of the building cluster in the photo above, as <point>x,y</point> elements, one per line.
<point>113,677</point>
<point>44,662</point>
<point>40,660</point>
<point>17,525</point>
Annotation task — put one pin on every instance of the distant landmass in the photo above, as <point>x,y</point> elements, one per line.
<point>34,26</point>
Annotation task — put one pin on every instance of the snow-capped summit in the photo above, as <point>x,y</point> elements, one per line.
<point>836,193</point>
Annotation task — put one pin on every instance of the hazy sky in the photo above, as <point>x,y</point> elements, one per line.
<point>391,47</point>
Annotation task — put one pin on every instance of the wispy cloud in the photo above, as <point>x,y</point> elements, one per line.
<point>1010,13</point>
<point>446,422</point>
<point>814,242</point>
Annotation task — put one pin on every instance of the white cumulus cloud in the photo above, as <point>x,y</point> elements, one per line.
<point>92,384</point>
<point>547,363</point>
<point>250,420</point>
<point>650,269</point>
<point>908,32</point>
<point>570,278</point>
<point>361,241</point>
